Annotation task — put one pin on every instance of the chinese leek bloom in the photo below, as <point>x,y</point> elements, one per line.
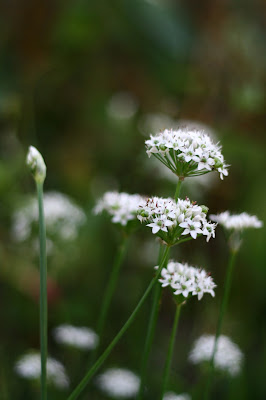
<point>187,152</point>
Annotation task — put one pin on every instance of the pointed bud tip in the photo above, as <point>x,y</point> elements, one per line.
<point>36,164</point>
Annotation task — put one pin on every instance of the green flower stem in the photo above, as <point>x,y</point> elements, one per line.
<point>151,330</point>
<point>228,281</point>
<point>178,188</point>
<point>120,256</point>
<point>170,351</point>
<point>43,291</point>
<point>101,359</point>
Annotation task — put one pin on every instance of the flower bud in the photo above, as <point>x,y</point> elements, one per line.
<point>36,164</point>
<point>205,209</point>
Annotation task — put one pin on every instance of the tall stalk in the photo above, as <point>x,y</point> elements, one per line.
<point>109,291</point>
<point>170,351</point>
<point>178,188</point>
<point>228,281</point>
<point>151,330</point>
<point>77,391</point>
<point>43,291</point>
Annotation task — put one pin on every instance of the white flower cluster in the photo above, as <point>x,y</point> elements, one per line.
<point>228,356</point>
<point>187,152</point>
<point>80,337</point>
<point>63,218</point>
<point>174,396</point>
<point>186,280</point>
<point>170,220</point>
<point>118,383</point>
<point>237,222</point>
<point>122,207</point>
<point>29,367</point>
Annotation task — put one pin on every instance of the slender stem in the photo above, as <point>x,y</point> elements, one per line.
<point>108,350</point>
<point>43,292</point>
<point>178,188</point>
<point>109,292</point>
<point>228,281</point>
<point>150,331</point>
<point>170,351</point>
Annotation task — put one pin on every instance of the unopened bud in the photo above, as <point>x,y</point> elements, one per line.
<point>36,164</point>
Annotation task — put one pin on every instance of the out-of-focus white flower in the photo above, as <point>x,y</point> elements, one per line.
<point>36,164</point>
<point>81,337</point>
<point>187,152</point>
<point>174,396</point>
<point>170,220</point>
<point>118,383</point>
<point>122,207</point>
<point>228,356</point>
<point>29,367</point>
<point>63,218</point>
<point>237,222</point>
<point>122,105</point>
<point>186,280</point>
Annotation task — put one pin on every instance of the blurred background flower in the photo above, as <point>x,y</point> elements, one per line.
<point>87,83</point>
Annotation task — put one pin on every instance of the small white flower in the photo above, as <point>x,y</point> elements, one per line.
<point>228,356</point>
<point>118,383</point>
<point>186,280</point>
<point>81,337</point>
<point>170,220</point>
<point>192,228</point>
<point>187,152</point>
<point>122,207</point>
<point>237,222</point>
<point>174,396</point>
<point>36,164</point>
<point>29,367</point>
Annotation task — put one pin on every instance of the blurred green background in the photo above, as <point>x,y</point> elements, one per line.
<point>86,82</point>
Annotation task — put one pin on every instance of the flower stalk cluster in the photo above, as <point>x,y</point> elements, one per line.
<point>170,220</point>
<point>187,152</point>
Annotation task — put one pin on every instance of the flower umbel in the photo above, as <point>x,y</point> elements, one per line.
<point>29,367</point>
<point>174,396</point>
<point>122,207</point>
<point>228,357</point>
<point>63,218</point>
<point>186,281</point>
<point>170,220</point>
<point>80,337</point>
<point>118,383</point>
<point>187,152</point>
<point>235,224</point>
<point>36,164</point>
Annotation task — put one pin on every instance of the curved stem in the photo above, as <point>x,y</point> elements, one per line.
<point>170,351</point>
<point>228,281</point>
<point>150,331</point>
<point>108,350</point>
<point>109,291</point>
<point>178,188</point>
<point>43,292</point>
